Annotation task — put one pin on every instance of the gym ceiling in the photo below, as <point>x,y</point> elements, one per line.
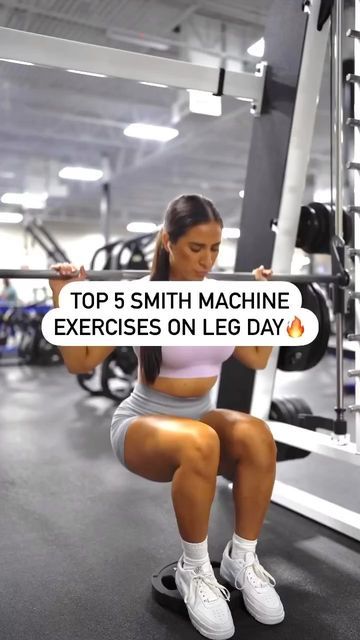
<point>50,118</point>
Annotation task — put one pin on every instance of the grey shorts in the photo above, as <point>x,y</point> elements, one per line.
<point>145,401</point>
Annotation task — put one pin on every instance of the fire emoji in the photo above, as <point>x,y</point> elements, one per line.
<point>295,329</point>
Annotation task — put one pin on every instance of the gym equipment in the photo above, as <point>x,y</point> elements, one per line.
<point>290,410</point>
<point>46,240</point>
<point>308,356</point>
<point>166,594</point>
<point>341,279</point>
<point>134,253</point>
<point>48,51</point>
<point>32,347</point>
<point>116,376</point>
<point>24,324</point>
<point>107,260</point>
<point>317,227</point>
<point>91,381</point>
<point>118,373</point>
<point>113,378</point>
<point>295,53</point>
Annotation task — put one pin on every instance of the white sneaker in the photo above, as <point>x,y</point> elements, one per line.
<point>256,584</point>
<point>206,601</point>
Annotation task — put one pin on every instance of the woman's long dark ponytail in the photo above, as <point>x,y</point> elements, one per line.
<point>150,357</point>
<point>184,212</point>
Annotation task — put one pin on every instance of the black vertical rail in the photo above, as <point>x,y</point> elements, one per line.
<point>284,37</point>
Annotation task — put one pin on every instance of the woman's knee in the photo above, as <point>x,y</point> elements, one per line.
<point>201,448</point>
<point>254,441</point>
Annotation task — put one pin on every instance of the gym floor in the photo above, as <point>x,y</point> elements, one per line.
<point>80,536</point>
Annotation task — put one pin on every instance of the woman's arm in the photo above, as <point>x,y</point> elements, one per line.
<point>83,359</point>
<point>253,357</point>
<point>76,359</point>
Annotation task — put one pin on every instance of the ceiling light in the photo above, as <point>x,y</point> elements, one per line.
<point>242,193</point>
<point>11,218</point>
<point>86,73</point>
<point>230,232</point>
<point>141,227</point>
<point>26,64</point>
<point>204,102</point>
<point>7,174</point>
<point>154,84</point>
<point>27,200</point>
<point>257,49</point>
<point>150,132</point>
<point>81,173</point>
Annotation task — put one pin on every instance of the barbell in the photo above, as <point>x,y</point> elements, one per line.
<point>341,279</point>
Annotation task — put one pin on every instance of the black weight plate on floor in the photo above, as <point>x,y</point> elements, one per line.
<point>165,592</point>
<point>281,412</point>
<point>299,406</point>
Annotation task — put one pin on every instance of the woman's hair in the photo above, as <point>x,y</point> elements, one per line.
<point>182,214</point>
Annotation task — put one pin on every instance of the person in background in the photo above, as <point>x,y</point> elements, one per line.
<point>8,294</point>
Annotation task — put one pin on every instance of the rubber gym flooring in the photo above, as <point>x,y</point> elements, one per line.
<point>80,536</point>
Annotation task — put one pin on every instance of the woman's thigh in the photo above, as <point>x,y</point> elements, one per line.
<point>236,432</point>
<point>154,446</point>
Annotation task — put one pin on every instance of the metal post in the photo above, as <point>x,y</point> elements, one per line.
<point>105,203</point>
<point>338,50</point>
<point>357,221</point>
<point>340,428</point>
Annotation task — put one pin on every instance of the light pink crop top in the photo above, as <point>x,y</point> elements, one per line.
<point>191,362</point>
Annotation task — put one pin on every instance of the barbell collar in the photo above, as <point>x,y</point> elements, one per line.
<point>36,274</point>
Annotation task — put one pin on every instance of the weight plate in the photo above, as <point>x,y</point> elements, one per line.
<point>286,410</point>
<point>166,594</point>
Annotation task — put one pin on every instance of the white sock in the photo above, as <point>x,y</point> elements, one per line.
<point>240,547</point>
<point>195,553</point>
